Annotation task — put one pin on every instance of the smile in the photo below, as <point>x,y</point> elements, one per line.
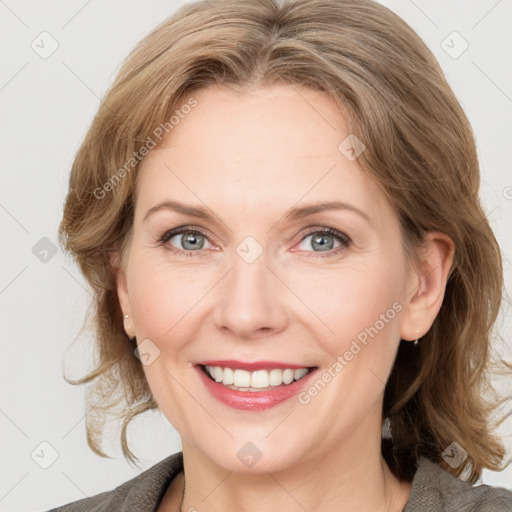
<point>256,386</point>
<point>260,380</point>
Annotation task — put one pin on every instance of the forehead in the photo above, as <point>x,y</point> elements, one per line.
<point>281,119</point>
<point>276,145</point>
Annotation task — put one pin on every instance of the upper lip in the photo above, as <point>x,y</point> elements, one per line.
<point>251,366</point>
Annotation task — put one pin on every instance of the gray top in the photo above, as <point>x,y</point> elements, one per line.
<point>433,489</point>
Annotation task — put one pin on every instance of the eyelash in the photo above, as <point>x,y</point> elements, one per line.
<point>342,238</point>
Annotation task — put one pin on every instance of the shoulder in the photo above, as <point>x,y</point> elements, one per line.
<point>433,488</point>
<point>141,493</point>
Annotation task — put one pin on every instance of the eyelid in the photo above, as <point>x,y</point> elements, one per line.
<point>171,233</point>
<point>311,230</point>
<point>343,238</point>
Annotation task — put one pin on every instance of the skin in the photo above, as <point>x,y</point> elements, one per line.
<point>250,157</point>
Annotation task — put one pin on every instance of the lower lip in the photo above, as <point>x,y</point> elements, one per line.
<point>253,401</point>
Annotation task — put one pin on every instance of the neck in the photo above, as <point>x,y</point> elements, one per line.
<point>351,475</point>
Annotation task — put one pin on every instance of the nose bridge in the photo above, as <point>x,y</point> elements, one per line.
<point>250,299</point>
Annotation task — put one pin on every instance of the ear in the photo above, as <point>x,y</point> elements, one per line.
<point>427,286</point>
<point>122,293</point>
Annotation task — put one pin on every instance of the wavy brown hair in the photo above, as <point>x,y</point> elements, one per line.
<point>419,147</point>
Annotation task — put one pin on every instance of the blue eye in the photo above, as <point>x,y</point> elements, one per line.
<point>189,241</point>
<point>323,241</point>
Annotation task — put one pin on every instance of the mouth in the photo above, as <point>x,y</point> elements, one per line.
<point>239,379</point>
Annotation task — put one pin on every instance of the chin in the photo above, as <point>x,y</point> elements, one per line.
<point>257,456</point>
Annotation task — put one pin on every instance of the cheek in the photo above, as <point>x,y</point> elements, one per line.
<point>339,303</point>
<point>355,304</point>
<point>163,297</point>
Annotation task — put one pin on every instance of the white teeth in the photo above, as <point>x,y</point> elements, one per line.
<point>217,374</point>
<point>259,379</point>
<point>276,377</point>
<point>298,374</point>
<point>228,376</point>
<point>288,376</point>
<point>241,378</point>
<point>254,381</point>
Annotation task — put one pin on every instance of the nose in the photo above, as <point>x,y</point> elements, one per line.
<point>251,301</point>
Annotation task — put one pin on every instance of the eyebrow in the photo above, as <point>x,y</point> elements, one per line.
<point>298,212</point>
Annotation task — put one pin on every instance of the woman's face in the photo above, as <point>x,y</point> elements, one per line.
<point>256,280</point>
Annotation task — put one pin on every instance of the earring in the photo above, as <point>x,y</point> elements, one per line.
<point>417,339</point>
<point>132,340</point>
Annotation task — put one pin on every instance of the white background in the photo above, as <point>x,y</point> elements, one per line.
<point>46,108</point>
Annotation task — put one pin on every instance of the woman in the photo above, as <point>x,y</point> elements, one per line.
<point>277,208</point>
